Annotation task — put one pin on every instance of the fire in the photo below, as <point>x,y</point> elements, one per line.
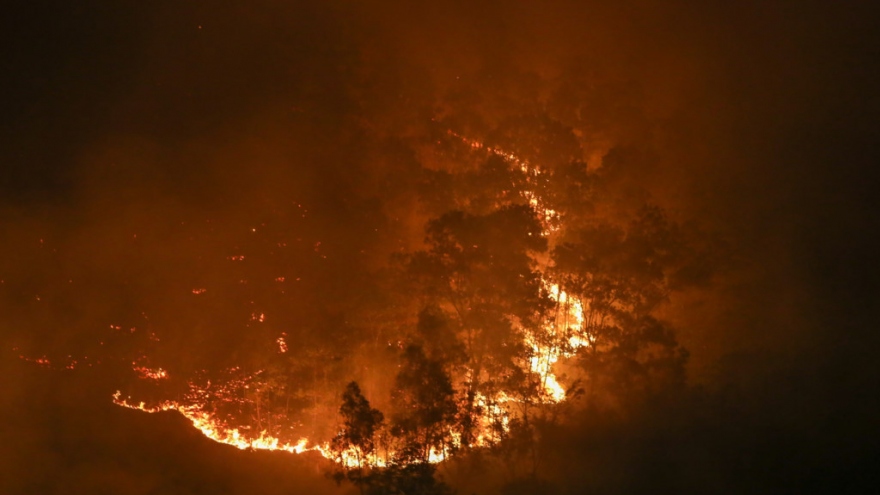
<point>560,336</point>
<point>570,318</point>
<point>473,143</point>
<point>571,309</point>
<point>42,360</point>
<point>70,363</point>
<point>211,428</point>
<point>148,373</point>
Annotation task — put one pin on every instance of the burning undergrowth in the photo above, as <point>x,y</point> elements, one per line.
<point>517,301</point>
<point>486,279</point>
<point>404,238</point>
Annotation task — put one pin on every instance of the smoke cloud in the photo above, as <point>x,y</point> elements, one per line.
<point>273,156</point>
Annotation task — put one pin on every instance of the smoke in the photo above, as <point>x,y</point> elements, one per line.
<point>145,148</point>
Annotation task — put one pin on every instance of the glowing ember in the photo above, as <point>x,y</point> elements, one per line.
<point>42,360</point>
<point>69,364</point>
<point>149,374</point>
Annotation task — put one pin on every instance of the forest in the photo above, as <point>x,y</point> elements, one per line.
<point>497,248</point>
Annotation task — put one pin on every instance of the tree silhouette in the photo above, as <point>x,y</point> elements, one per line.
<point>357,438</point>
<point>622,275</point>
<point>525,261</point>
<point>425,408</point>
<point>480,273</point>
<point>408,472</point>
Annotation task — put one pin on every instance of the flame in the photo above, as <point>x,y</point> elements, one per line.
<point>473,143</point>
<point>550,217</point>
<point>571,318</point>
<point>572,309</point>
<point>211,427</point>
<point>561,335</point>
<point>44,362</point>
<point>148,373</point>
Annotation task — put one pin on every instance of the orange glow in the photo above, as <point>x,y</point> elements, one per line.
<point>148,373</point>
<point>570,320</point>
<point>211,428</point>
<point>561,335</point>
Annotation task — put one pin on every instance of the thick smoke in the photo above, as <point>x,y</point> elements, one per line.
<point>273,155</point>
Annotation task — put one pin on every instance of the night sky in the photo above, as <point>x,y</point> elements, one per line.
<point>273,155</point>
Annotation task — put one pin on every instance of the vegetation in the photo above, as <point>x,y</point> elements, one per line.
<point>516,269</point>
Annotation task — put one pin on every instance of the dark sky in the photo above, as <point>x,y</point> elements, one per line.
<point>140,139</point>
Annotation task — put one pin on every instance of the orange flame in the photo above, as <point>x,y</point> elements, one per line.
<point>560,336</point>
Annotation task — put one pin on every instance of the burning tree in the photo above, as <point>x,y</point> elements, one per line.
<point>425,392</point>
<point>622,275</point>
<point>425,409</point>
<point>523,294</point>
<point>355,446</point>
